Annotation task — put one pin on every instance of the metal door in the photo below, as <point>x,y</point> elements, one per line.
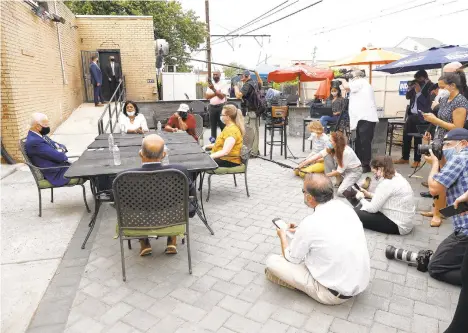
<point>85,62</point>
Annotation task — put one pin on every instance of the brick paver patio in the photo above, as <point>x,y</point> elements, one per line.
<point>227,291</point>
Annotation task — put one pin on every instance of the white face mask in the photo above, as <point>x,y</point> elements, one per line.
<point>334,93</point>
<point>131,114</point>
<point>444,93</point>
<point>222,119</point>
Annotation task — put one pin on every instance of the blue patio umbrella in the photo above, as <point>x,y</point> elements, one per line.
<point>433,58</point>
<point>264,69</point>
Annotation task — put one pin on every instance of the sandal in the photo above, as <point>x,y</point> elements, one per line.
<point>171,249</point>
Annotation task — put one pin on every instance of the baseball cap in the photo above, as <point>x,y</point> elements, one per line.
<point>183,108</point>
<point>457,134</point>
<point>452,67</point>
<point>246,72</point>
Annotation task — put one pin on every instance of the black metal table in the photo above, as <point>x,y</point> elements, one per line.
<point>98,161</point>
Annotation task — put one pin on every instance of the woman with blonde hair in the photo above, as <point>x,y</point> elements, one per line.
<point>320,141</point>
<point>226,151</point>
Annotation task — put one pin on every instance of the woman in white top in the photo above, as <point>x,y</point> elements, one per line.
<point>349,166</point>
<point>392,208</point>
<point>131,121</point>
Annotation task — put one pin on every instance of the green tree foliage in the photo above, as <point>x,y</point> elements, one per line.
<point>181,29</point>
<point>230,72</point>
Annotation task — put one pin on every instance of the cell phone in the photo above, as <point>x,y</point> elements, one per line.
<point>280,224</point>
<point>357,187</point>
<point>450,211</point>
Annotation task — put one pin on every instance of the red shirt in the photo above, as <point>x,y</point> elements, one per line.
<point>190,122</point>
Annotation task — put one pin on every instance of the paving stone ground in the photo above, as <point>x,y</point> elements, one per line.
<point>227,291</point>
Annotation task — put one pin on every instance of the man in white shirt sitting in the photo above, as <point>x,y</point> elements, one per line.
<point>362,116</point>
<point>326,257</point>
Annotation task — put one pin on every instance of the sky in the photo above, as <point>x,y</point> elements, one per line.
<point>336,28</point>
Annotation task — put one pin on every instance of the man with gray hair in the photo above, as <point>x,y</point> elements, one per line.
<point>362,116</point>
<point>152,153</point>
<point>325,256</point>
<point>43,152</point>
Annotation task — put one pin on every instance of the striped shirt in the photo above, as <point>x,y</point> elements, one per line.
<point>393,198</point>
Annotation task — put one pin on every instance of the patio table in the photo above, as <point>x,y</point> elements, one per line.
<point>98,161</point>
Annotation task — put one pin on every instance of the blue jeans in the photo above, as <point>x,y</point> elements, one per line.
<point>325,119</point>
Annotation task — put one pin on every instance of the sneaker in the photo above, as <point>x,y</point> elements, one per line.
<point>273,278</point>
<point>426,194</point>
<point>401,161</point>
<point>366,183</point>
<point>415,164</point>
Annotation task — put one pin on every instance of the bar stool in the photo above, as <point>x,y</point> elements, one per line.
<point>278,122</point>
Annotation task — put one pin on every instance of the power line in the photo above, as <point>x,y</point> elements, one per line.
<point>280,19</point>
<point>253,21</point>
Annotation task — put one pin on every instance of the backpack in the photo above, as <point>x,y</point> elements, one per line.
<point>256,100</point>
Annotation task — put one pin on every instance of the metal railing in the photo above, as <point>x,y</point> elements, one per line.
<point>110,116</point>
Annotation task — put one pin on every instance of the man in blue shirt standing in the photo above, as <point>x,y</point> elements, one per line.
<point>446,262</point>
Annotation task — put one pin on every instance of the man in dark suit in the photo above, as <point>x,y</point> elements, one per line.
<point>45,153</point>
<point>96,80</point>
<point>152,153</point>
<point>418,93</point>
<point>114,74</point>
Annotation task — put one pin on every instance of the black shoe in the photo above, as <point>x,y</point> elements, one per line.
<point>366,169</point>
<point>426,194</point>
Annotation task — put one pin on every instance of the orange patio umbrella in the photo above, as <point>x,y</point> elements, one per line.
<point>303,72</point>
<point>369,56</point>
<point>323,91</point>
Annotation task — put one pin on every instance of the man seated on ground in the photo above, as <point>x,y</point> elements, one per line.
<point>445,264</point>
<point>326,257</point>
<point>152,153</point>
<point>46,153</point>
<point>182,120</point>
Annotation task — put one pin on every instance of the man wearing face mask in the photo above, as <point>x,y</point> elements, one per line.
<point>419,94</point>
<point>216,93</point>
<point>45,153</point>
<point>326,255</point>
<point>182,120</point>
<point>445,264</point>
<point>114,75</point>
<point>362,116</point>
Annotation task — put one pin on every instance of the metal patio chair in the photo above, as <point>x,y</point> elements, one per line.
<point>241,169</point>
<point>43,184</point>
<point>151,204</point>
<point>199,129</point>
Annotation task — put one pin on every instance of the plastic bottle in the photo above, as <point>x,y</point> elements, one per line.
<point>159,127</point>
<point>122,130</point>
<point>111,141</point>
<point>165,161</point>
<point>116,154</point>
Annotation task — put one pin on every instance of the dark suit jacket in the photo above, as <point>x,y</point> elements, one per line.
<point>159,166</point>
<point>96,74</point>
<point>44,155</point>
<point>117,71</point>
<point>424,100</point>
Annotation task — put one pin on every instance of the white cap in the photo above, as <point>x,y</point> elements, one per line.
<point>452,67</point>
<point>183,108</point>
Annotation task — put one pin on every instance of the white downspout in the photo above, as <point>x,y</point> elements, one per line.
<point>60,47</point>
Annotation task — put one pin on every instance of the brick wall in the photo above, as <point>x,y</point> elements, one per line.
<point>31,72</point>
<point>133,36</point>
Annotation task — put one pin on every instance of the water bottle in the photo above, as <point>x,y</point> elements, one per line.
<point>111,141</point>
<point>165,160</point>
<point>159,127</point>
<point>122,130</point>
<point>116,154</point>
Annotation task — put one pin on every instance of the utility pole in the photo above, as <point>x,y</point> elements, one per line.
<point>208,37</point>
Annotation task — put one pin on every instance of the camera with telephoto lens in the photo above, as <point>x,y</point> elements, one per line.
<point>420,259</point>
<point>436,146</point>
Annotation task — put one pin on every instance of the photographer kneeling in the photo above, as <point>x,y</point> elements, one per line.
<point>392,208</point>
<point>445,264</point>
<point>326,257</point>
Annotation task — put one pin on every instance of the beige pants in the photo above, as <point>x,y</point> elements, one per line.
<point>252,121</point>
<point>298,276</point>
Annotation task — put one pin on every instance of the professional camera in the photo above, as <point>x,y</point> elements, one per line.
<point>436,146</point>
<point>344,74</point>
<point>420,259</point>
<point>411,83</point>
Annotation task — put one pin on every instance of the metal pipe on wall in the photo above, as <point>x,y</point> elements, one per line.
<point>60,46</point>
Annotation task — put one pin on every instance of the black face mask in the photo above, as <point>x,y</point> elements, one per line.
<point>44,130</point>
<point>183,115</point>
<point>216,79</point>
